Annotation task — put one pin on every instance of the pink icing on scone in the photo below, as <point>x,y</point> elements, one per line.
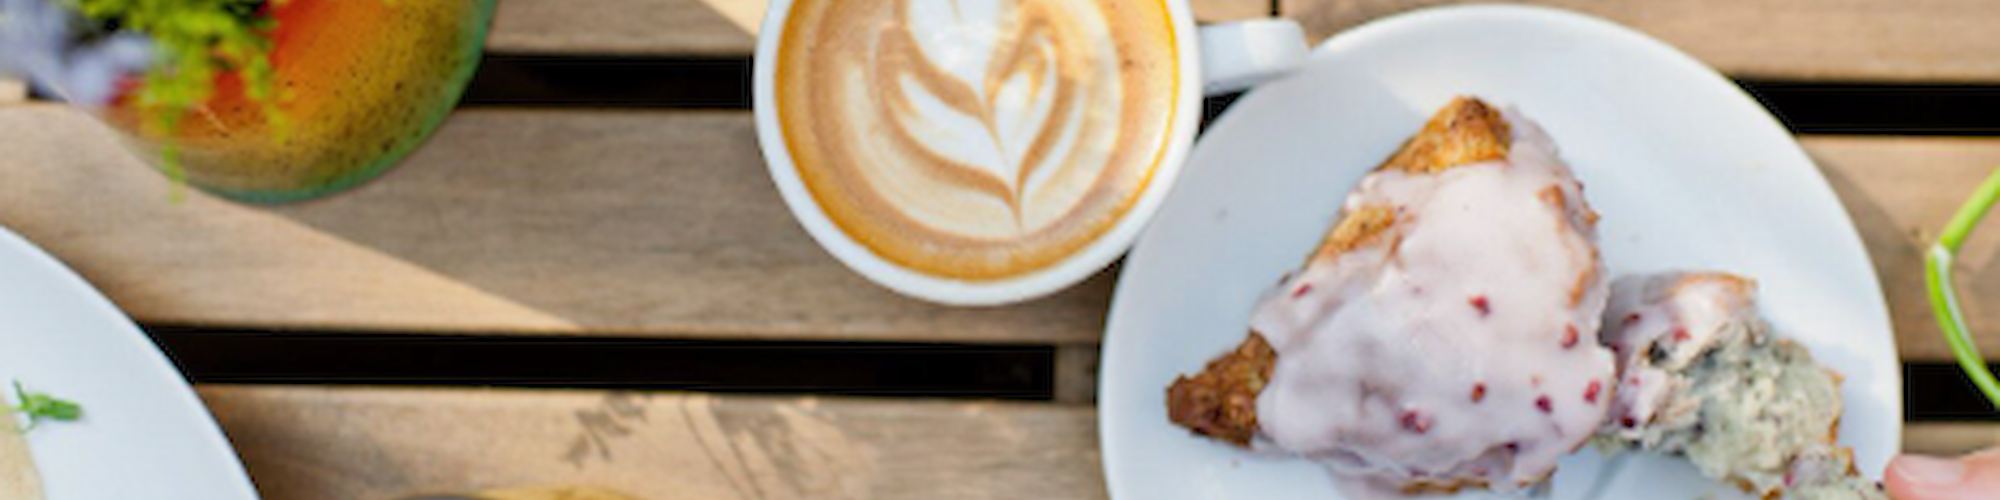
<point>1445,352</point>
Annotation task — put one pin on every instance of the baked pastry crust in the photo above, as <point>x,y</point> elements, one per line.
<point>1221,401</point>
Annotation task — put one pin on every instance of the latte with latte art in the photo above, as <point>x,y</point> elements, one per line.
<point>977,139</point>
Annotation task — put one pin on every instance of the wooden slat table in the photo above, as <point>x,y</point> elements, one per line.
<point>661,223</point>
<point>1853,40</point>
<point>12,91</point>
<point>380,443</point>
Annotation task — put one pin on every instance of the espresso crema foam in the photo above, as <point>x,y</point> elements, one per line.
<point>977,140</point>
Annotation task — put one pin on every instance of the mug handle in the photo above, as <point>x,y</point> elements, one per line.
<point>1238,55</point>
<point>1944,297</point>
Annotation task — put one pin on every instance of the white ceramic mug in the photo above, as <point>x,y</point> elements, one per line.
<point>1224,57</point>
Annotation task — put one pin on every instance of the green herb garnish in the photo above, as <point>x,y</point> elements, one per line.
<point>193,41</point>
<point>41,406</point>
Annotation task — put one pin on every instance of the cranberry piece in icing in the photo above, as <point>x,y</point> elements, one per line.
<point>1569,336</point>
<point>1629,422</point>
<point>1681,335</point>
<point>1377,354</point>
<point>1545,404</point>
<point>1415,421</point>
<point>1631,318</point>
<point>1302,290</point>
<point>1590,392</point>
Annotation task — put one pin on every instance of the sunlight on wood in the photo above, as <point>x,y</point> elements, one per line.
<point>1864,40</point>
<point>746,14</point>
<point>682,28</point>
<point>74,191</point>
<point>554,493</point>
<point>12,91</point>
<point>344,443</point>
<point>749,14</point>
<point>657,224</point>
<point>1231,10</point>
<point>1900,191</point>
<point>1950,438</point>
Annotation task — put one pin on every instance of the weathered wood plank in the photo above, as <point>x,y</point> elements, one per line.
<point>663,223</point>
<point>12,91</point>
<point>1233,10</point>
<point>1955,438</point>
<point>632,27</point>
<point>313,443</point>
<point>552,493</point>
<point>1918,40</point>
<point>717,28</point>
<point>641,223</point>
<point>1900,192</point>
<point>1932,40</point>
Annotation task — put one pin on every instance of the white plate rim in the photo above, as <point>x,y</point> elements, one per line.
<point>187,414</point>
<point>1113,361</point>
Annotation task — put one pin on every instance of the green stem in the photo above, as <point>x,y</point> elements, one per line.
<point>1969,215</point>
<point>1944,298</point>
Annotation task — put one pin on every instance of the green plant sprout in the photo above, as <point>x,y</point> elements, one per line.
<point>41,406</point>
<point>1944,297</point>
<point>196,40</point>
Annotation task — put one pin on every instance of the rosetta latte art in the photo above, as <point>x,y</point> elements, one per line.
<point>977,139</point>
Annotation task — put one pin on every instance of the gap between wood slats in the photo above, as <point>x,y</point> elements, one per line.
<point>626,82</point>
<point>1934,391</point>
<point>834,368</point>
<point>724,83</point>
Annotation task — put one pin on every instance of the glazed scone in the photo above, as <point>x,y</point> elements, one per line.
<point>1220,401</point>
<point>1702,377</point>
<point>1438,337</point>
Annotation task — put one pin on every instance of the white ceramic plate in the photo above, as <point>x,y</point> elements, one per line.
<point>1688,171</point>
<point>144,434</point>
